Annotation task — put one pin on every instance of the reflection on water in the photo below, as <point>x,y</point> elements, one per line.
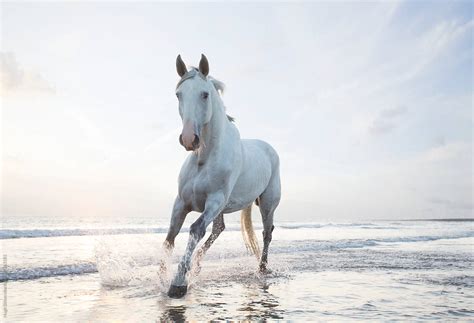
<point>260,303</point>
<point>174,314</point>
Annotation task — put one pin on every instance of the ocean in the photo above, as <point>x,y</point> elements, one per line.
<point>106,269</point>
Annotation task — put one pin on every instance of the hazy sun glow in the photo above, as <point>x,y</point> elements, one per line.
<point>368,104</point>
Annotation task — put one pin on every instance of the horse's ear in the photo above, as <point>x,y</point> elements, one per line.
<point>204,65</point>
<point>180,66</point>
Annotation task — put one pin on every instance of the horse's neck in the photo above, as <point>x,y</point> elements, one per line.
<point>214,132</point>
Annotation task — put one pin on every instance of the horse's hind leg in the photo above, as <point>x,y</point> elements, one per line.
<point>268,202</point>
<point>267,218</point>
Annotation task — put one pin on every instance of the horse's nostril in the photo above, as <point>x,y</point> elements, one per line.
<point>196,141</point>
<point>181,140</point>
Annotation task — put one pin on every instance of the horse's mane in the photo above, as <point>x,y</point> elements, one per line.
<point>220,88</point>
<point>218,85</point>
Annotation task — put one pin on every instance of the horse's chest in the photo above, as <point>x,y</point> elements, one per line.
<point>198,193</point>
<point>197,187</point>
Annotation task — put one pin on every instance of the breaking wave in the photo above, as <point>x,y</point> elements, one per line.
<point>40,272</point>
<point>278,248</point>
<point>40,233</point>
<point>64,232</point>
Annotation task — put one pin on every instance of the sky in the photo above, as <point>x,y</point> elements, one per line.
<point>369,104</point>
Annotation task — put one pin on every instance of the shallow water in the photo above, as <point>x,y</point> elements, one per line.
<point>360,271</point>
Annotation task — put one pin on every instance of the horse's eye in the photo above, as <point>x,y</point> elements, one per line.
<point>177,95</point>
<point>205,95</point>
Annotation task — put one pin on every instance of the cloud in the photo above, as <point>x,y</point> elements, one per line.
<point>447,152</point>
<point>387,120</point>
<point>15,80</point>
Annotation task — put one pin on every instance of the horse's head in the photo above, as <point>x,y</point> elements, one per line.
<point>194,92</point>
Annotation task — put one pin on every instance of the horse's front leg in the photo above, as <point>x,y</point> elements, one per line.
<point>177,218</point>
<point>214,206</point>
<point>218,226</point>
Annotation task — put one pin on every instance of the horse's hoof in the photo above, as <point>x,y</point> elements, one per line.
<point>177,291</point>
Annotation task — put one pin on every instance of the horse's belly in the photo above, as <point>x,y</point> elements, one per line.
<point>251,183</point>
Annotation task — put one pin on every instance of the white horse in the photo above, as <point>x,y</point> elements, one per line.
<point>224,174</point>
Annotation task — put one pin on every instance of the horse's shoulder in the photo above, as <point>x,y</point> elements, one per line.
<point>187,167</point>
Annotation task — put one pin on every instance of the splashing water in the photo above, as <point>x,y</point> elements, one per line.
<point>369,271</point>
<point>122,264</point>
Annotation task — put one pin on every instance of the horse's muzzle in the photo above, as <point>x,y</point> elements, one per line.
<point>190,136</point>
<point>194,144</point>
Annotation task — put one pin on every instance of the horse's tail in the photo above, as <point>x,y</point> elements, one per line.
<point>248,233</point>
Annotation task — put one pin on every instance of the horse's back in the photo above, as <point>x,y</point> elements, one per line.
<point>260,151</point>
